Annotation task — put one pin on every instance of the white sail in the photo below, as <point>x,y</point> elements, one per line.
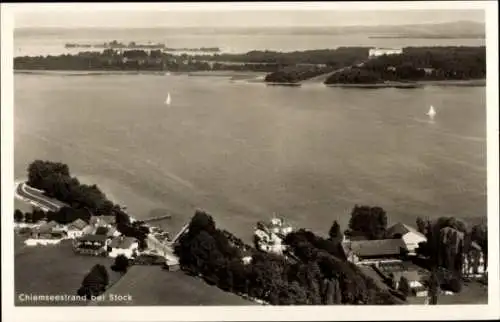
<point>432,111</point>
<point>168,100</point>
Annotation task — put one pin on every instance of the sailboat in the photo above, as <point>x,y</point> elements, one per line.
<point>432,112</point>
<point>168,100</point>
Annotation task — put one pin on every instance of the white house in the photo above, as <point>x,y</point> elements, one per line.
<point>75,229</point>
<point>376,52</point>
<point>410,236</point>
<point>247,260</point>
<point>102,221</point>
<point>122,245</point>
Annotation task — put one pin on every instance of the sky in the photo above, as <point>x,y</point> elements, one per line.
<point>242,18</point>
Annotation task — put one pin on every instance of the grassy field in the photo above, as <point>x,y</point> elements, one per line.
<point>151,285</point>
<point>472,293</point>
<point>52,270</point>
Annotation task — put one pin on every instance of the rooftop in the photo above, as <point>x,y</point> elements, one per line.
<point>402,229</point>
<point>122,242</point>
<point>374,248</point>
<point>77,224</point>
<point>93,238</point>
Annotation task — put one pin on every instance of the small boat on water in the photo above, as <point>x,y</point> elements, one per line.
<point>168,100</point>
<point>432,112</point>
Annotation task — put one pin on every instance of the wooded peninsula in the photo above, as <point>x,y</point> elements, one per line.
<point>343,65</point>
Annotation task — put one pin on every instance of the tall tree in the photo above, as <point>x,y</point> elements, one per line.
<point>404,286</point>
<point>121,264</point>
<point>18,216</point>
<point>421,226</point>
<point>433,288</point>
<point>370,221</point>
<point>335,232</point>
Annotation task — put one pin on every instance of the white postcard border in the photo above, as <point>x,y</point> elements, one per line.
<point>254,313</point>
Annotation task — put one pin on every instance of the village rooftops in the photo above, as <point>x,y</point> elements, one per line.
<point>47,227</point>
<point>93,238</point>
<point>374,248</point>
<point>103,220</point>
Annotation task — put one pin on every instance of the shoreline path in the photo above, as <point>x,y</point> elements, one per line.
<point>36,198</point>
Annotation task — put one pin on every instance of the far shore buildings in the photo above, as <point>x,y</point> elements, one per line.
<point>376,52</point>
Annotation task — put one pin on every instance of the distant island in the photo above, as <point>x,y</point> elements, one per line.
<point>364,67</point>
<point>133,45</point>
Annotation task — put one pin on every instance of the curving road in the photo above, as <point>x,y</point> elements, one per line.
<point>37,198</point>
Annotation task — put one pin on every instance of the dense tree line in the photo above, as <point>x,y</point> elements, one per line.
<point>121,264</point>
<point>328,59</point>
<point>133,60</point>
<point>296,74</point>
<point>95,282</point>
<point>368,222</point>
<point>317,278</point>
<point>156,60</point>
<point>418,64</point>
<point>84,200</point>
<point>446,249</point>
<point>354,75</point>
<point>331,57</point>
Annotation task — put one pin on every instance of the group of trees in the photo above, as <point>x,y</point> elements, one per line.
<point>419,63</point>
<point>449,242</point>
<point>85,200</point>
<point>316,278</point>
<point>121,264</point>
<point>331,57</point>
<point>296,65</point>
<point>95,282</point>
<point>64,215</point>
<point>282,66</point>
<point>296,74</point>
<point>368,222</point>
<point>133,60</point>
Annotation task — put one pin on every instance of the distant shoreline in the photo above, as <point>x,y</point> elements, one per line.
<point>416,84</point>
<point>236,74</point>
<point>254,77</point>
<point>428,37</point>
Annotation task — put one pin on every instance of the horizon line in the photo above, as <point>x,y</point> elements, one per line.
<point>252,26</point>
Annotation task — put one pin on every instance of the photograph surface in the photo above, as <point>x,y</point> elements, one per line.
<point>259,157</point>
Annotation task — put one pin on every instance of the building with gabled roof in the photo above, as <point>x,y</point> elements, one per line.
<point>91,244</point>
<point>122,245</point>
<point>410,236</point>
<point>75,229</point>
<point>374,251</point>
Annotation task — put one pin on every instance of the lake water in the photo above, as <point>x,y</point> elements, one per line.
<point>243,151</point>
<point>37,42</point>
